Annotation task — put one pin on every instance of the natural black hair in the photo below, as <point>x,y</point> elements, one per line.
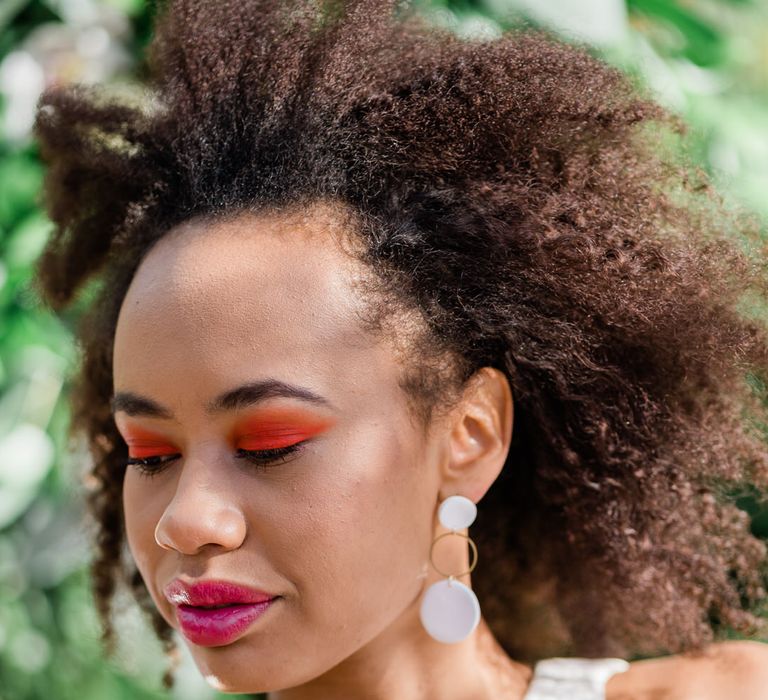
<point>532,205</point>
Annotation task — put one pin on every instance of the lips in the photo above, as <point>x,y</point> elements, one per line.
<point>213,593</point>
<point>214,613</point>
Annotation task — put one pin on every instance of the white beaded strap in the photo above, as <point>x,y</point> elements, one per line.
<point>562,678</point>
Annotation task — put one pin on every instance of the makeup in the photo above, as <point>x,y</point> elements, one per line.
<point>218,626</point>
<point>215,613</point>
<point>271,429</point>
<point>144,443</point>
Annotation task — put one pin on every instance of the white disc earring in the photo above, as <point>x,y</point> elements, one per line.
<point>450,611</point>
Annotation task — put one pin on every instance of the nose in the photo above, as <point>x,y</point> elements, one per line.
<point>201,512</point>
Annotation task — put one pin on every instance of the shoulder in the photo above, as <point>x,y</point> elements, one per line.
<point>724,670</point>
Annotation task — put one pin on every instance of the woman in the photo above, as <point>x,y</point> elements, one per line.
<point>363,285</point>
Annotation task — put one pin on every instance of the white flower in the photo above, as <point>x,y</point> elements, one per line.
<point>89,49</point>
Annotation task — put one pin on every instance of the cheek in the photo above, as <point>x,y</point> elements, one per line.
<point>142,508</point>
<point>361,535</point>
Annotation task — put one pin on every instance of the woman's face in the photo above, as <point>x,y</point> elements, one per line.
<point>340,529</point>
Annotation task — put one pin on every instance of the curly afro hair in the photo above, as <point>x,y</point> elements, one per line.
<point>536,209</point>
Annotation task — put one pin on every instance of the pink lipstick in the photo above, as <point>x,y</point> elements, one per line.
<point>215,613</point>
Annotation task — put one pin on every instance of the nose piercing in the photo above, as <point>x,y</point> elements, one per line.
<point>157,539</point>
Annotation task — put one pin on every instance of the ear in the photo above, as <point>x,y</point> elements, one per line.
<point>479,435</point>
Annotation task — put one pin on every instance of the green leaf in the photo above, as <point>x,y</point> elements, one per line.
<point>20,180</point>
<point>704,45</point>
<point>26,241</point>
<point>8,10</point>
<point>132,8</point>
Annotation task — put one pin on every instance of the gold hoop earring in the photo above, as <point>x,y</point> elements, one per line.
<point>472,545</point>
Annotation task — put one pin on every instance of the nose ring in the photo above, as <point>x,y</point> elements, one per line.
<point>157,539</point>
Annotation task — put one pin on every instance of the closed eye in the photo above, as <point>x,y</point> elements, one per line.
<point>261,459</point>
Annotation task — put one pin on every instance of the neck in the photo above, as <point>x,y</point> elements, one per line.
<point>406,663</point>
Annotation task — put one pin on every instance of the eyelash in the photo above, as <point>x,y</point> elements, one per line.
<point>260,459</point>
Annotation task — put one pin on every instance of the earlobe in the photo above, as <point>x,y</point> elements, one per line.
<point>480,435</point>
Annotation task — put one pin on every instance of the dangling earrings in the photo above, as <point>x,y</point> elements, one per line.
<point>450,610</point>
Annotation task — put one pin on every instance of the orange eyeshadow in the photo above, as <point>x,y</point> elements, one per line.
<point>143,443</point>
<point>274,429</point>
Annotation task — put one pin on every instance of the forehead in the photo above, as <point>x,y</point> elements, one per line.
<point>248,247</point>
<point>275,292</point>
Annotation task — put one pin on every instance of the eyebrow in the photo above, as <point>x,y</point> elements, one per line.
<point>238,398</point>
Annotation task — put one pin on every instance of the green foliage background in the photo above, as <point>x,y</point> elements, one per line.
<point>706,59</point>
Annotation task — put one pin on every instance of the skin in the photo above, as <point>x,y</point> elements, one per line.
<point>342,531</point>
<point>723,671</point>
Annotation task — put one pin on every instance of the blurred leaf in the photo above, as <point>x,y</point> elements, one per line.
<point>20,181</point>
<point>26,241</point>
<point>132,8</point>
<point>8,9</point>
<point>26,455</point>
<point>30,14</point>
<point>704,45</point>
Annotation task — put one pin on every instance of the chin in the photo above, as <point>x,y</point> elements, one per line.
<point>229,681</point>
<point>236,672</point>
<point>243,668</point>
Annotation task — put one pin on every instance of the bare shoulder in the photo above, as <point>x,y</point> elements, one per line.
<point>723,671</point>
